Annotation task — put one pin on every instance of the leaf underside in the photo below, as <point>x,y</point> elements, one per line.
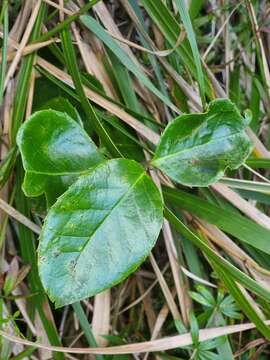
<point>99,231</point>
<point>196,149</point>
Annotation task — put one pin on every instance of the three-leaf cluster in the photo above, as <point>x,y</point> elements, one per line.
<point>106,214</point>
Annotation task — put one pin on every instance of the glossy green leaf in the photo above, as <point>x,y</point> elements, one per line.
<point>52,186</point>
<point>99,231</point>
<point>196,149</point>
<point>55,151</point>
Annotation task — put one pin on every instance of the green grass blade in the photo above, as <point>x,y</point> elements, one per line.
<point>19,104</point>
<point>66,23</point>
<point>244,304</point>
<point>73,68</point>
<point>235,273</point>
<point>247,185</point>
<point>100,32</point>
<point>137,10</point>
<point>28,251</point>
<point>86,327</point>
<point>227,220</point>
<point>124,82</point>
<point>255,100</point>
<point>170,28</point>
<point>260,163</point>
<point>254,195</point>
<point>194,47</point>
<point>25,354</point>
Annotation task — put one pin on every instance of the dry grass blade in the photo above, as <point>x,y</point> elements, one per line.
<point>250,345</point>
<point>23,43</point>
<point>28,48</point>
<point>224,242</point>
<point>165,289</point>
<point>260,43</point>
<point>19,217</point>
<point>197,278</point>
<point>167,343</point>
<point>162,53</point>
<point>101,317</point>
<point>181,286</point>
<point>107,20</point>
<point>99,100</point>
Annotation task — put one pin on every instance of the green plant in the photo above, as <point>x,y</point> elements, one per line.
<point>105,82</point>
<point>215,308</point>
<point>110,212</point>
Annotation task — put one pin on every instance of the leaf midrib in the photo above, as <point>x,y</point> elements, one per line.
<point>161,159</point>
<point>140,177</point>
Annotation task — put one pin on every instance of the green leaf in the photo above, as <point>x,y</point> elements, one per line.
<point>199,298</point>
<point>99,231</point>
<point>196,149</point>
<point>53,186</point>
<point>203,296</point>
<point>62,151</point>
<point>194,329</point>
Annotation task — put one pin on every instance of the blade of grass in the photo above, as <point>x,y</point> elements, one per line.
<point>124,82</point>
<point>236,274</point>
<point>20,99</point>
<point>86,327</point>
<point>99,31</point>
<point>138,12</point>
<point>170,28</point>
<point>260,163</point>
<point>25,354</point>
<point>194,47</point>
<point>72,65</point>
<point>6,165</point>
<point>28,251</point>
<point>3,65</point>
<point>66,23</point>
<point>247,185</point>
<point>254,195</point>
<point>245,306</point>
<point>227,220</point>
<point>244,206</point>
<point>168,343</point>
